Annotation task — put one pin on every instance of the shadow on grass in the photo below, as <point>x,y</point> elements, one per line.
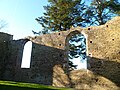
<point>7,87</point>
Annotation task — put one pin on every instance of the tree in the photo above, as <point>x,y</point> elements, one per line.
<point>100,11</point>
<point>3,24</point>
<point>60,15</point>
<point>77,49</point>
<point>114,5</point>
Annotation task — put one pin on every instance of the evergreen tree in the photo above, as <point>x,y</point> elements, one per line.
<point>100,11</point>
<point>114,5</point>
<point>60,15</point>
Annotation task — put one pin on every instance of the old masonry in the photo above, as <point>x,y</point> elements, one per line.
<point>49,58</point>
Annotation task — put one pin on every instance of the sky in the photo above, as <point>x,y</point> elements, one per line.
<point>20,16</point>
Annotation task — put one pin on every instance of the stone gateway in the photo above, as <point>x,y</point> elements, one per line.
<point>49,58</point>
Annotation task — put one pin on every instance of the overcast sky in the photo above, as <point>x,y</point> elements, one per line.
<point>20,16</point>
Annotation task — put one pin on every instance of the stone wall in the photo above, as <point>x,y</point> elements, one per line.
<point>49,60</point>
<point>4,51</point>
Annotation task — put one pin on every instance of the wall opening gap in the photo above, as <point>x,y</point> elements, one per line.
<point>26,59</point>
<point>77,52</point>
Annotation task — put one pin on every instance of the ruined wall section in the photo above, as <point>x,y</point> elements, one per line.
<point>103,48</point>
<point>10,56</point>
<point>49,58</point>
<point>104,41</point>
<point>43,60</point>
<point>55,40</point>
<point>44,57</point>
<point>14,59</point>
<point>17,47</point>
<point>4,52</point>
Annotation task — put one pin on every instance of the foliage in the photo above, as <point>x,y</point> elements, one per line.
<point>60,15</point>
<point>114,5</point>
<point>100,11</point>
<point>77,49</point>
<point>77,46</point>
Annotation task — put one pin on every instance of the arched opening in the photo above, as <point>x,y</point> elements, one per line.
<point>76,50</point>
<point>26,55</point>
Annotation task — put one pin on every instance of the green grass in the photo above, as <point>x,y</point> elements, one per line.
<point>9,85</point>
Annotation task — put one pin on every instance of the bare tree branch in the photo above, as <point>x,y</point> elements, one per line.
<point>3,24</point>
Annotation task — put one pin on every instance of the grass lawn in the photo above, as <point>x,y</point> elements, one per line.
<point>9,85</point>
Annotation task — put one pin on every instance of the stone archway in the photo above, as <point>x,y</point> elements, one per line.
<point>76,51</point>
